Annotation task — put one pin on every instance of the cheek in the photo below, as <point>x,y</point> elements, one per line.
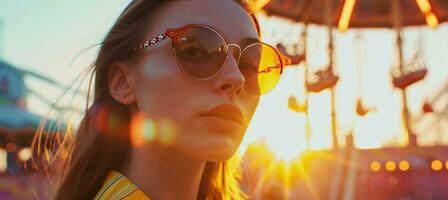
<point>248,105</point>
<point>161,90</point>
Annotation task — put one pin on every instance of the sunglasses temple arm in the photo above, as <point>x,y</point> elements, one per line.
<point>152,42</point>
<point>285,60</point>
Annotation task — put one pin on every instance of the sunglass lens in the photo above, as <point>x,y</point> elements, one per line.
<point>261,66</point>
<point>200,52</point>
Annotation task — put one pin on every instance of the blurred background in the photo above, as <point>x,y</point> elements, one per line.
<point>362,113</point>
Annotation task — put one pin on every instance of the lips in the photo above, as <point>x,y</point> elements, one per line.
<point>225,111</point>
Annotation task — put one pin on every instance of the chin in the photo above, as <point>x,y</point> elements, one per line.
<point>218,155</point>
<point>225,152</point>
<point>212,153</point>
<point>221,157</point>
<point>203,143</point>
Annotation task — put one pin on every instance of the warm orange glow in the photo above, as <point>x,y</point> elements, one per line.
<point>436,165</point>
<point>346,14</point>
<point>446,164</point>
<point>426,9</point>
<point>265,176</point>
<point>390,166</point>
<point>375,166</point>
<point>306,176</point>
<point>268,169</point>
<point>404,165</point>
<point>371,131</point>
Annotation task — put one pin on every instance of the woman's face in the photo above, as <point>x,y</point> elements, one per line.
<point>178,104</point>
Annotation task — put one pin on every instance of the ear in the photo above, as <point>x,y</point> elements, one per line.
<point>121,83</point>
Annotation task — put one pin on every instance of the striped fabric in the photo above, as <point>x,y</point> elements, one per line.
<point>117,187</point>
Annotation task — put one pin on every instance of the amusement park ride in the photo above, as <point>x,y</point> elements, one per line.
<point>361,14</point>
<point>19,178</point>
<point>411,172</point>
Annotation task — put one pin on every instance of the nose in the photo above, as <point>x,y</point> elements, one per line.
<point>230,79</point>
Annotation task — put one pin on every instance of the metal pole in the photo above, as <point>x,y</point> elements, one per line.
<point>305,56</point>
<point>329,21</point>
<point>307,116</point>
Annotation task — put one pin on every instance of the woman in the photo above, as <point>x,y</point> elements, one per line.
<point>176,84</point>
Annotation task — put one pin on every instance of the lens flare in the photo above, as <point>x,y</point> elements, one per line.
<point>142,129</point>
<point>148,128</point>
<point>166,131</point>
<point>105,120</point>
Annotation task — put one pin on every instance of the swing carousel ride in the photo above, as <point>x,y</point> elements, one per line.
<point>411,172</point>
<point>366,14</point>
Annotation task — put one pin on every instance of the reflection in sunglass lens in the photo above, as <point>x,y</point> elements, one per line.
<point>261,66</point>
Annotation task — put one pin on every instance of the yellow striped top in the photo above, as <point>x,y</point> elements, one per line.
<point>117,186</point>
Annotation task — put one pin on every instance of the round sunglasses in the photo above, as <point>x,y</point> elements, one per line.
<point>201,52</point>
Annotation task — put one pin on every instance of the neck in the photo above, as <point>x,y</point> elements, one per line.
<point>163,173</point>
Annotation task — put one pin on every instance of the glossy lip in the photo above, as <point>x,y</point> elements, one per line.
<point>225,111</point>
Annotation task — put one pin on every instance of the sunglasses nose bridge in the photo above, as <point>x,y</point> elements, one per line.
<point>235,54</point>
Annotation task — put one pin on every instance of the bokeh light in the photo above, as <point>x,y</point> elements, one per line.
<point>392,180</point>
<point>375,166</point>
<point>25,154</point>
<point>404,165</point>
<point>3,161</point>
<point>10,147</point>
<point>436,165</point>
<point>390,166</point>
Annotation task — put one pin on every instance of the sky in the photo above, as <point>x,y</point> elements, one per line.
<point>58,39</point>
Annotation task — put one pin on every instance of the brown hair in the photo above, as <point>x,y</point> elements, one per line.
<point>102,142</point>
